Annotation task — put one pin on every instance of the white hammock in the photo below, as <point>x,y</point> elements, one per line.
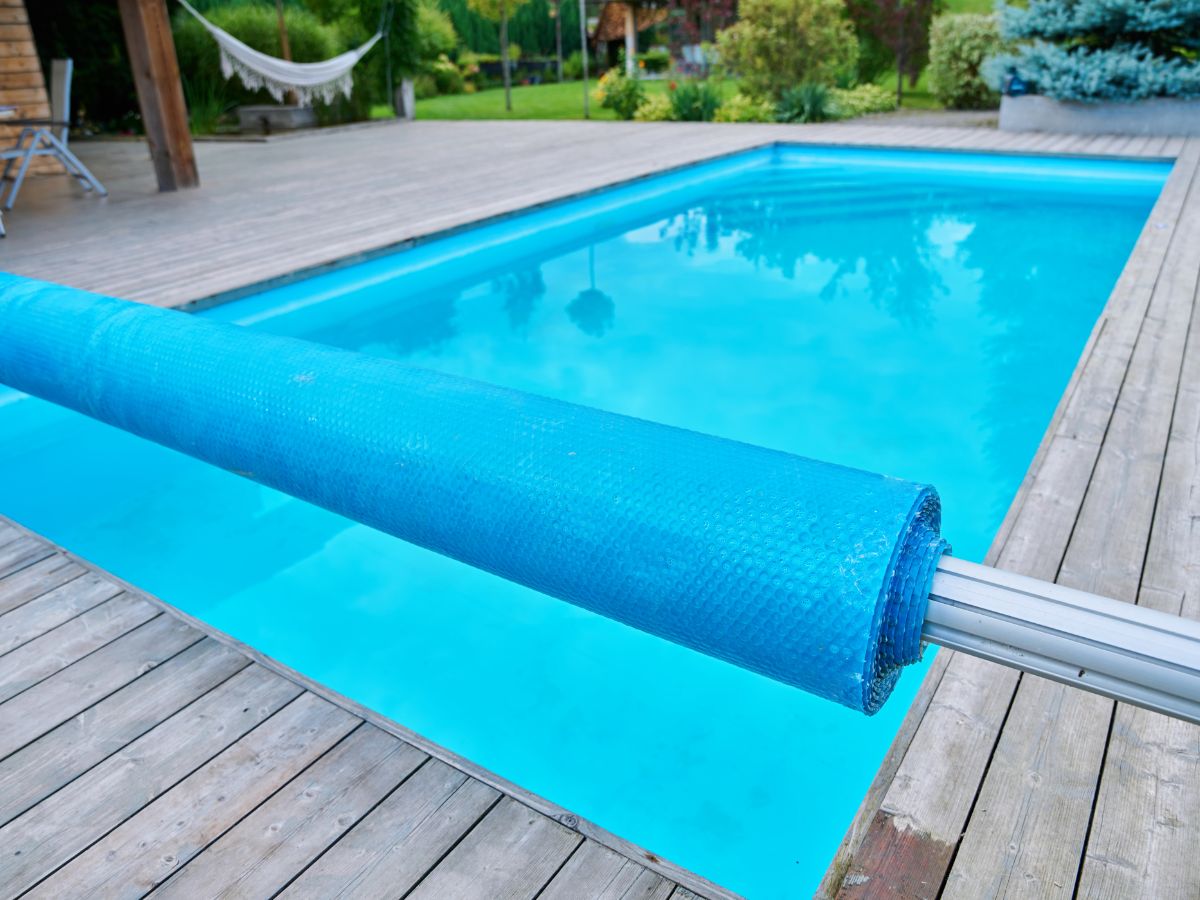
<point>319,80</point>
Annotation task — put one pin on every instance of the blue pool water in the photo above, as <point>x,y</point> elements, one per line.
<point>909,313</point>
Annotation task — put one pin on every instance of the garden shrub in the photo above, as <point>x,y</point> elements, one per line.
<point>695,101</point>
<point>446,76</point>
<point>1102,49</point>
<point>806,103</point>
<point>424,86</point>
<point>958,47</point>
<point>740,108</point>
<point>655,108</point>
<point>654,61</point>
<point>618,92</point>
<point>778,44</point>
<point>573,66</point>
<point>862,100</point>
<point>435,31</point>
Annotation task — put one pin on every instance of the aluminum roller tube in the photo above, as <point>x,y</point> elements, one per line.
<point>1126,652</point>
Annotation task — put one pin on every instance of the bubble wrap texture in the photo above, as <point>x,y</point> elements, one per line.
<point>810,573</point>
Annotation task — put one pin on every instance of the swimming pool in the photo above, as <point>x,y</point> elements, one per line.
<point>911,313</point>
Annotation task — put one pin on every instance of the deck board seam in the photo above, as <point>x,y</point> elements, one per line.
<point>453,845</point>
<point>1193,186</point>
<point>253,809</point>
<point>1190,195</point>
<point>40,735</point>
<point>42,594</point>
<point>41,634</point>
<point>374,806</point>
<point>94,650</point>
<point>1150,535</point>
<point>561,866</point>
<point>100,837</point>
<point>138,736</point>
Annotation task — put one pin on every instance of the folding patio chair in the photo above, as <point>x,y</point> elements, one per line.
<point>38,137</point>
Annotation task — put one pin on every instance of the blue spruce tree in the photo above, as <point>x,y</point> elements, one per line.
<point>1102,49</point>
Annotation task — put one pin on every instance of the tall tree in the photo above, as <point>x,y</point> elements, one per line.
<point>695,21</point>
<point>901,28</point>
<point>499,11</point>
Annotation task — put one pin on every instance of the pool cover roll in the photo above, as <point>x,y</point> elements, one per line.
<point>810,573</point>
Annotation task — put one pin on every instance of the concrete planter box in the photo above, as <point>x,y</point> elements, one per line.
<point>269,119</point>
<point>1158,115</point>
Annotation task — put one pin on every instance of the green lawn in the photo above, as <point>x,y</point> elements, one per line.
<point>565,101</point>
<point>970,6</point>
<point>538,101</point>
<point>919,97</point>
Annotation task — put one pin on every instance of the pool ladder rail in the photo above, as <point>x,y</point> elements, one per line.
<point>1122,651</point>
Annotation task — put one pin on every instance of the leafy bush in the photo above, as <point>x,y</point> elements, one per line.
<point>782,43</point>
<point>621,94</point>
<point>424,87</point>
<point>654,61</point>
<point>810,102</point>
<point>958,47</point>
<point>435,31</point>
<point>862,100</point>
<point>740,108</point>
<point>695,101</point>
<point>446,76</point>
<point>1102,49</point>
<point>573,66</point>
<point>655,108</point>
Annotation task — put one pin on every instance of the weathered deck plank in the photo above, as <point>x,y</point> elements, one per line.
<point>595,871</point>
<point>35,580</point>
<point>929,803</point>
<point>39,769</point>
<point>49,703</point>
<point>1033,812</point>
<point>512,853</point>
<point>402,839</point>
<point>51,610</point>
<point>67,822</point>
<point>46,654</point>
<point>1142,839</point>
<point>141,752</point>
<point>148,847</point>
<point>270,847</point>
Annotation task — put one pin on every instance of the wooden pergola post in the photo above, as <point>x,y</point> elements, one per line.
<point>160,92</point>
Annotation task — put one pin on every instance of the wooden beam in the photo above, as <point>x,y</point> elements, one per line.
<point>160,92</point>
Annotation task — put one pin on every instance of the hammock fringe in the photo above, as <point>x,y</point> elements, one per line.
<point>253,80</point>
<point>278,77</point>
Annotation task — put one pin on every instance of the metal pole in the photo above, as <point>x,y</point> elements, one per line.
<point>583,43</point>
<point>387,62</point>
<point>1122,651</point>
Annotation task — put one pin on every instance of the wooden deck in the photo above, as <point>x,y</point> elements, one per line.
<point>997,785</point>
<point>143,752</point>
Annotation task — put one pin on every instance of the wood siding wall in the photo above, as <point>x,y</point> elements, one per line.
<point>22,83</point>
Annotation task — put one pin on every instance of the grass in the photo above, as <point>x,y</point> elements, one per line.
<point>919,97</point>
<point>970,6</point>
<point>565,101</point>
<point>536,101</point>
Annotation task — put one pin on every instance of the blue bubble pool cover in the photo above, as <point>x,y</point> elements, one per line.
<point>813,574</point>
